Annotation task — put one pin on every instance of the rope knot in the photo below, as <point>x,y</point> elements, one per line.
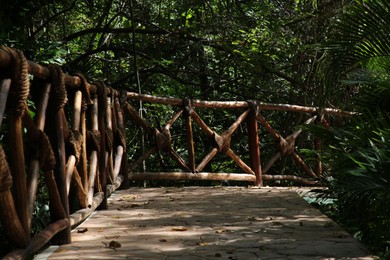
<point>57,78</point>
<point>109,139</point>
<point>163,139</point>
<point>287,145</point>
<point>102,92</point>
<point>188,105</point>
<point>223,142</point>
<point>121,136</point>
<point>47,160</point>
<point>5,173</point>
<point>20,85</point>
<point>85,89</point>
<point>75,143</point>
<point>94,139</point>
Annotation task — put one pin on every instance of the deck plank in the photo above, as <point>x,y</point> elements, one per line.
<point>208,223</point>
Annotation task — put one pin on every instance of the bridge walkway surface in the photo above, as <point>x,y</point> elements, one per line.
<point>208,223</point>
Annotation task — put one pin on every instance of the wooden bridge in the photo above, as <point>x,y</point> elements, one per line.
<point>69,138</point>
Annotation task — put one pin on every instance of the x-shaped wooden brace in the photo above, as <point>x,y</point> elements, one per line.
<point>222,141</point>
<point>286,146</point>
<point>162,138</point>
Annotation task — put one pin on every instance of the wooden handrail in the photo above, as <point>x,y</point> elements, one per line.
<point>237,104</point>
<point>57,146</point>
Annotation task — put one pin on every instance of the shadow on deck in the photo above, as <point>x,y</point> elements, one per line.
<point>208,223</point>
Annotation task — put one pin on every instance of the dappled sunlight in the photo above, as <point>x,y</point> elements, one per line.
<point>203,223</point>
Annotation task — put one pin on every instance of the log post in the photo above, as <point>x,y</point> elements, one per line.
<point>32,178</point>
<point>94,154</point>
<point>64,237</point>
<point>8,215</point>
<point>58,99</point>
<point>109,149</point>
<point>5,86</point>
<point>18,168</point>
<point>102,97</point>
<point>189,133</point>
<point>254,145</point>
<point>83,167</point>
<point>317,148</point>
<point>122,136</point>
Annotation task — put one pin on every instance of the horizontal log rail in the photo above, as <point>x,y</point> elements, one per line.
<point>237,104</point>
<point>71,143</point>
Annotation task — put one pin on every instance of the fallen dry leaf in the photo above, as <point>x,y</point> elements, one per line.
<point>179,229</point>
<point>129,197</point>
<point>112,237</point>
<point>82,230</point>
<point>112,244</point>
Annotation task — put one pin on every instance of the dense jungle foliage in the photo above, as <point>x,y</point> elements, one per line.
<point>326,53</point>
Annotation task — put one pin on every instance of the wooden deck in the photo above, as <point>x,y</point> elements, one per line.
<point>208,223</point>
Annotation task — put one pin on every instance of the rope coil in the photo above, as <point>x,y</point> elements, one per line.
<point>109,139</point>
<point>94,139</point>
<point>223,142</point>
<point>121,137</point>
<point>20,81</point>
<point>163,139</point>
<point>47,160</point>
<point>85,89</point>
<point>188,105</point>
<point>102,92</point>
<point>287,146</point>
<point>75,143</point>
<point>5,173</point>
<point>57,78</point>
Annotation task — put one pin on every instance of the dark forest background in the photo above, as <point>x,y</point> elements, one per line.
<point>325,53</point>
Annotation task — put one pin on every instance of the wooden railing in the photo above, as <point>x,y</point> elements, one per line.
<point>251,113</point>
<point>65,136</point>
<point>65,131</point>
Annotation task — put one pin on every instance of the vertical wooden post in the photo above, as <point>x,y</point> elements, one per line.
<point>64,237</point>
<point>190,139</point>
<point>83,167</point>
<point>93,165</point>
<point>32,177</point>
<point>254,146</point>
<point>317,148</point>
<point>102,156</point>
<point>19,171</point>
<point>4,90</point>
<point>109,157</point>
<point>121,127</point>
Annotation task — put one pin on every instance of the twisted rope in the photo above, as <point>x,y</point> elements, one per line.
<point>57,78</point>
<point>163,139</point>
<point>188,105</point>
<point>94,139</point>
<point>5,173</point>
<point>47,160</point>
<point>109,139</point>
<point>85,89</point>
<point>75,143</point>
<point>287,146</point>
<point>102,92</point>
<point>121,137</point>
<point>20,81</point>
<point>223,142</point>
